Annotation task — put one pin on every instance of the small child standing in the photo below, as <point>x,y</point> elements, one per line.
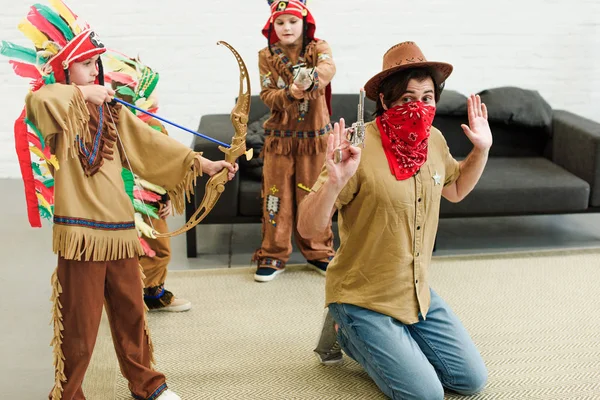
<point>295,72</point>
<point>136,83</point>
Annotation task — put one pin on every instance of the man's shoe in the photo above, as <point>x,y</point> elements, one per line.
<point>328,349</point>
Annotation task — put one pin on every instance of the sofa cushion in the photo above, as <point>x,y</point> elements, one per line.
<point>257,109</point>
<point>452,103</point>
<point>255,139</point>
<point>522,186</point>
<point>509,140</point>
<point>250,202</point>
<point>508,186</point>
<point>346,106</point>
<point>512,105</point>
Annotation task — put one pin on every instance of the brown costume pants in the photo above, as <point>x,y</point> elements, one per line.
<point>155,268</point>
<point>282,173</point>
<point>80,288</point>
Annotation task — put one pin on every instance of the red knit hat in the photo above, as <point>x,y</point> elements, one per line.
<point>292,7</point>
<point>82,47</point>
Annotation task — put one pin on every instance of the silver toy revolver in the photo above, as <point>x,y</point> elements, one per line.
<point>303,76</point>
<point>356,133</point>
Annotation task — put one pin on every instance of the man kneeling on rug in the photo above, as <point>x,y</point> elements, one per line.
<point>382,312</point>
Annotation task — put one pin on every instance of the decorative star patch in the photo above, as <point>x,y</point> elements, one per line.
<point>266,80</point>
<point>437,178</point>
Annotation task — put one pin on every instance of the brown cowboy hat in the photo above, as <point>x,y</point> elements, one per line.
<point>403,56</point>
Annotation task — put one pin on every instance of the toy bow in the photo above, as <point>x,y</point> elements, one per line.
<point>216,184</point>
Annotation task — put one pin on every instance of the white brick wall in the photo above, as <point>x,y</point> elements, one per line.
<point>552,46</point>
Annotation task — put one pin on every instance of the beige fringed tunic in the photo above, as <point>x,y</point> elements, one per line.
<point>93,216</point>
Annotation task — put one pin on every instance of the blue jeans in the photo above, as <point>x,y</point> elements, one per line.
<point>412,361</point>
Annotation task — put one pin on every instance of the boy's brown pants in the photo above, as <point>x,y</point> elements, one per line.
<point>282,173</point>
<point>80,288</point>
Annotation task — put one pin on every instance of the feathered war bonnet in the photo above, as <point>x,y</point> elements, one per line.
<point>132,80</point>
<point>59,39</point>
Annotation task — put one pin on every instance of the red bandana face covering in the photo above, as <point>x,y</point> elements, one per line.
<point>404,135</point>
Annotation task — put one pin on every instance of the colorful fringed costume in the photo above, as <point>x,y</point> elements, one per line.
<point>84,148</point>
<point>58,38</point>
<point>295,138</point>
<point>135,83</point>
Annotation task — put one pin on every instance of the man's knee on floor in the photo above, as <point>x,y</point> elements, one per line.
<point>473,382</point>
<point>432,390</point>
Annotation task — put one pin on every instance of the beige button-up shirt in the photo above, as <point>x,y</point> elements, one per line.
<point>387,231</point>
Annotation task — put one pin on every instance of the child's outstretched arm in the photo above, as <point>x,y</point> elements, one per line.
<point>162,160</point>
<point>324,71</point>
<point>273,97</point>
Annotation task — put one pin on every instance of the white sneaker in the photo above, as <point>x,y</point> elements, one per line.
<point>266,274</point>
<point>177,305</point>
<point>168,395</point>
